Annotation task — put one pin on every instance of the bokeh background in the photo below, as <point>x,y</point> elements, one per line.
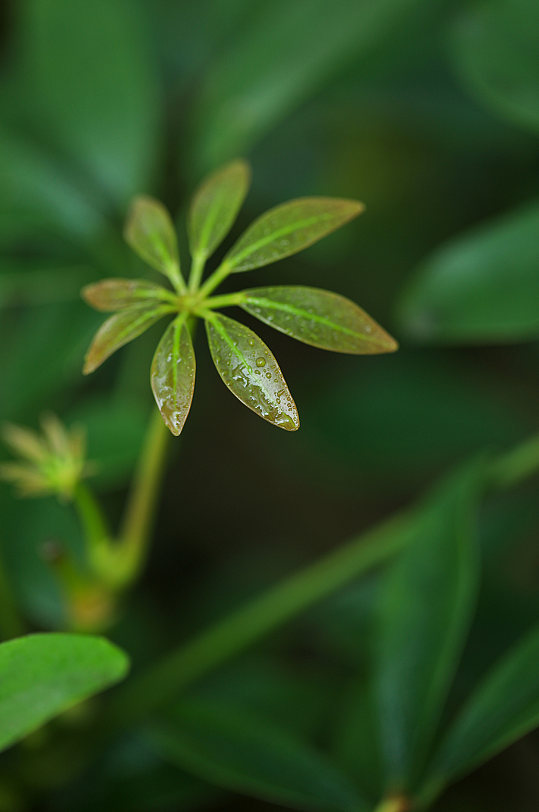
<point>428,112</point>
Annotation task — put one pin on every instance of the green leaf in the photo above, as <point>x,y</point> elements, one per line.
<point>215,206</point>
<point>277,57</point>
<point>251,756</point>
<point>318,317</point>
<point>495,45</point>
<point>42,675</point>
<point>249,369</point>
<point>150,233</point>
<point>93,87</point>
<point>120,329</point>
<point>118,294</point>
<point>483,286</point>
<point>503,707</point>
<point>173,374</point>
<point>289,228</point>
<point>425,612</point>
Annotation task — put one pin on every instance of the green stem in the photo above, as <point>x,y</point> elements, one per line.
<point>92,519</point>
<point>396,804</point>
<point>214,280</point>
<point>516,465</point>
<point>11,624</point>
<point>197,269</point>
<point>228,300</point>
<point>162,682</point>
<point>176,277</point>
<point>139,514</point>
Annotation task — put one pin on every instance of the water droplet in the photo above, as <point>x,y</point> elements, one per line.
<point>260,361</point>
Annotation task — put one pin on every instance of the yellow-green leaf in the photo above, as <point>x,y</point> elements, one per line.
<point>150,233</point>
<point>215,206</point>
<point>117,294</point>
<point>173,374</point>
<point>289,228</point>
<point>320,318</point>
<point>249,369</point>
<point>119,330</point>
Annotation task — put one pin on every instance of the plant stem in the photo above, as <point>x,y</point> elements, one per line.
<point>214,280</point>
<point>228,300</point>
<point>162,682</point>
<point>92,519</point>
<point>512,467</point>
<point>139,513</point>
<point>394,804</point>
<point>197,269</point>
<point>11,624</point>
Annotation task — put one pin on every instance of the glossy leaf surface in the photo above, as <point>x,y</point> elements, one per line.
<point>496,49</point>
<point>117,294</point>
<point>425,611</point>
<point>320,318</point>
<point>150,233</point>
<point>215,206</point>
<point>42,675</point>
<point>251,756</point>
<point>289,228</point>
<point>119,330</point>
<point>249,369</point>
<point>504,707</point>
<point>483,286</point>
<point>173,374</point>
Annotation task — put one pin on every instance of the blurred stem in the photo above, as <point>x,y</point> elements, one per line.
<point>228,300</point>
<point>396,804</point>
<point>162,682</point>
<point>139,513</point>
<point>11,624</point>
<point>92,519</point>
<point>215,279</point>
<point>197,269</point>
<point>516,465</point>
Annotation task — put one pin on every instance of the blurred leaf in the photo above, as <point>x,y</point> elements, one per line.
<point>119,330</point>
<point>42,675</point>
<point>483,286</point>
<point>93,87</point>
<point>496,49</point>
<point>318,317</point>
<point>356,745</point>
<point>250,756</point>
<point>289,228</point>
<point>503,708</point>
<point>114,428</point>
<point>117,294</point>
<point>277,60</point>
<point>215,206</point>
<point>173,374</point>
<point>150,233</point>
<point>39,196</point>
<point>425,613</point>
<point>249,369</point>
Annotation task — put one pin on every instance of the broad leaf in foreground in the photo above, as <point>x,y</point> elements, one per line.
<point>215,207</point>
<point>173,374</point>
<point>426,608</point>
<point>504,707</point>
<point>42,675</point>
<point>249,369</point>
<point>247,755</point>
<point>150,233</point>
<point>289,228</point>
<point>117,294</point>
<point>320,318</point>
<point>119,330</point>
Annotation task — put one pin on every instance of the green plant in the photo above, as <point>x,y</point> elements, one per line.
<point>244,362</point>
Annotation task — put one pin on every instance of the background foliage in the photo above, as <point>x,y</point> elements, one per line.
<point>427,111</point>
